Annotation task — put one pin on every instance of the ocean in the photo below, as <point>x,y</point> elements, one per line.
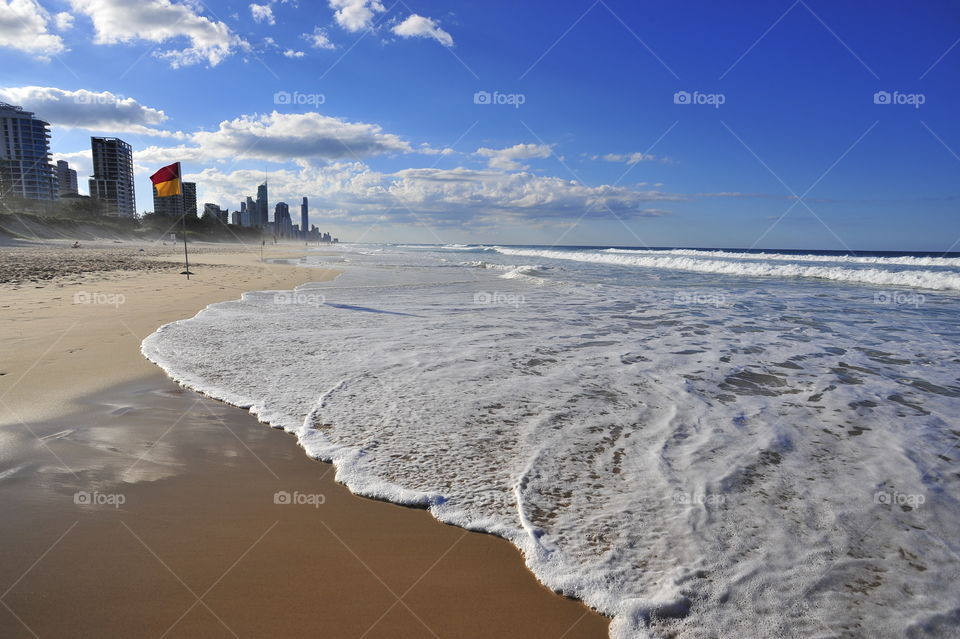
<point>695,442</point>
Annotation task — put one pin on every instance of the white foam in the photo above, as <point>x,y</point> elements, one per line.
<point>934,280</point>
<point>700,468</point>
<point>904,260</point>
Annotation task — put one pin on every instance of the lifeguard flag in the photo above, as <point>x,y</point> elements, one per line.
<point>167,180</point>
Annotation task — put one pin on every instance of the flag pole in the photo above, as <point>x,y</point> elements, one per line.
<point>183,218</point>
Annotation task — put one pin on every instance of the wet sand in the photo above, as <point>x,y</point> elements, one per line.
<point>185,537</point>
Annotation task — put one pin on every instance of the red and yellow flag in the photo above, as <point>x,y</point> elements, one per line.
<point>167,180</point>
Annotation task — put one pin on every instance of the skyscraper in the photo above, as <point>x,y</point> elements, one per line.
<point>66,179</point>
<point>190,198</point>
<point>112,181</point>
<point>262,206</point>
<point>171,205</point>
<point>25,169</point>
<point>251,214</point>
<point>304,214</point>
<point>282,224</point>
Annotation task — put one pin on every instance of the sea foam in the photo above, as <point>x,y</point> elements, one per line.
<point>692,458</point>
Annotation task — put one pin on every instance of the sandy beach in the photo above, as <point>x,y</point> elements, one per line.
<point>136,508</point>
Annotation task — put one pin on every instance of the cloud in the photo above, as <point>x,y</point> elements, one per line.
<point>417,26</point>
<point>82,109</point>
<point>158,21</point>
<point>24,26</point>
<point>262,13</point>
<point>627,158</point>
<point>506,159</point>
<point>318,39</point>
<point>285,137</point>
<point>439,197</point>
<point>63,20</point>
<point>356,15</point>
<point>290,53</point>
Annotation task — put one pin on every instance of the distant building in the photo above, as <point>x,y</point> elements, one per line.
<point>25,169</point>
<point>235,218</point>
<point>304,214</point>
<point>171,205</point>
<point>249,213</point>
<point>282,224</point>
<point>189,198</point>
<point>213,211</point>
<point>66,180</point>
<point>262,205</point>
<point>112,180</point>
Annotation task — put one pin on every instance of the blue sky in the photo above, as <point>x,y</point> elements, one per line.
<point>370,109</point>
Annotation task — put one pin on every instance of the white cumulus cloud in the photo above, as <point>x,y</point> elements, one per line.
<point>101,111</point>
<point>262,13</point>
<point>318,39</point>
<point>440,198</point>
<point>24,25</point>
<point>506,159</point>
<point>417,26</point>
<point>63,20</point>
<point>159,21</point>
<point>356,15</point>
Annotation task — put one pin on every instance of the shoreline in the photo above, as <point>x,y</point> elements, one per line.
<point>195,498</point>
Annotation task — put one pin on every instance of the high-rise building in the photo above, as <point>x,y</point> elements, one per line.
<point>171,205</point>
<point>249,214</point>
<point>282,224</point>
<point>213,211</point>
<point>190,198</point>
<point>235,218</point>
<point>66,179</point>
<point>112,181</point>
<point>262,205</point>
<point>304,214</point>
<point>25,169</point>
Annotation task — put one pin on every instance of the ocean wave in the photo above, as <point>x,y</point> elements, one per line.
<point>934,280</point>
<point>675,470</point>
<point>905,260</point>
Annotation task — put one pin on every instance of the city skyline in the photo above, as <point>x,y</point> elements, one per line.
<point>775,125</point>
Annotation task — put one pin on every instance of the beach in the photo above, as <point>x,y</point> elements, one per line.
<point>138,508</point>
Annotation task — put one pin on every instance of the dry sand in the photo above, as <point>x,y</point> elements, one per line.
<point>198,546</point>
